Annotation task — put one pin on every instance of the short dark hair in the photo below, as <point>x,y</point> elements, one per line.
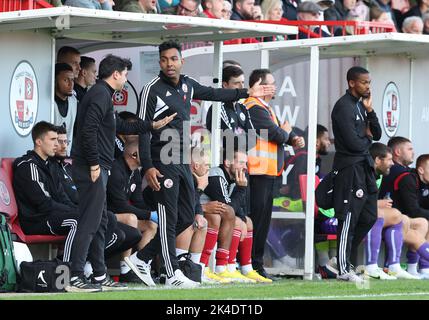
<point>41,128</point>
<point>65,51</point>
<point>321,130</point>
<point>237,147</point>
<point>395,142</point>
<point>60,67</point>
<point>61,129</point>
<point>379,150</point>
<point>170,44</point>
<point>112,63</point>
<point>231,72</point>
<point>128,116</point>
<point>421,160</point>
<point>258,74</point>
<point>86,62</point>
<point>355,72</point>
<point>227,63</point>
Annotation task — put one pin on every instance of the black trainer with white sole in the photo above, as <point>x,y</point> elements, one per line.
<point>82,285</point>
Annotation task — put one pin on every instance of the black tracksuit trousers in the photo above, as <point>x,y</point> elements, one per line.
<point>89,241</point>
<point>175,206</point>
<point>356,210</point>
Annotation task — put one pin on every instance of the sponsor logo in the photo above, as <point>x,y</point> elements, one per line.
<point>40,277</point>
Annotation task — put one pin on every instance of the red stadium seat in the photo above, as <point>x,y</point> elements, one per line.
<point>9,208</point>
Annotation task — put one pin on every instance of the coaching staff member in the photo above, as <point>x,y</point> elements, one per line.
<point>355,126</point>
<point>172,180</point>
<point>93,154</point>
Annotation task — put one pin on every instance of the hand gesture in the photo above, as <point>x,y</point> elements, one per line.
<point>286,127</point>
<point>200,222</point>
<point>298,142</point>
<point>163,122</point>
<point>240,178</point>
<point>203,181</point>
<point>95,172</point>
<point>367,103</point>
<point>214,207</point>
<point>384,203</point>
<point>152,176</point>
<point>259,90</point>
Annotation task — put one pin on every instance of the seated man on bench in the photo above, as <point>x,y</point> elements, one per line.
<point>43,206</point>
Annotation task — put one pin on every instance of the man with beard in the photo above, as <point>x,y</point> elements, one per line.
<point>243,10</point>
<point>65,102</point>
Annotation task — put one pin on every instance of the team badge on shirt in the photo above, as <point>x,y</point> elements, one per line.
<point>242,116</point>
<point>133,187</point>
<point>168,183</point>
<point>425,192</point>
<point>359,193</point>
<point>184,87</point>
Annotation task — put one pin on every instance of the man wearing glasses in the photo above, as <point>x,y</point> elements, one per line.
<point>189,8</point>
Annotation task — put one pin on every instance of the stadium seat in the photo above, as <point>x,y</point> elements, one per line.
<point>303,190</point>
<point>9,208</point>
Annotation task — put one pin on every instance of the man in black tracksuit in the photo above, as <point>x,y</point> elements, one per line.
<point>355,126</point>
<point>174,192</point>
<point>92,153</point>
<point>44,207</point>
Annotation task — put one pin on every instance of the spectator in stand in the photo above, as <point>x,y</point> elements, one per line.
<point>243,10</point>
<point>87,76</point>
<point>226,10</point>
<point>425,23</point>
<point>341,11</point>
<point>70,56</point>
<point>361,11</point>
<point>65,104</point>
<point>43,206</point>
<point>138,6</point>
<point>189,8</point>
<point>91,4</point>
<point>376,14</point>
<point>167,4</point>
<point>412,25</point>
<point>310,11</point>
<point>290,9</point>
<point>213,8</point>
<point>418,10</point>
<point>273,10</point>
<point>393,14</point>
<point>257,12</point>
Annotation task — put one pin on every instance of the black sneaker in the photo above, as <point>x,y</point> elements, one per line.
<point>107,284</point>
<point>129,277</point>
<point>81,284</point>
<point>263,272</point>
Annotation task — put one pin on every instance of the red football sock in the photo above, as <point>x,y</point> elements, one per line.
<point>222,257</point>
<point>211,239</point>
<point>234,246</point>
<point>245,249</point>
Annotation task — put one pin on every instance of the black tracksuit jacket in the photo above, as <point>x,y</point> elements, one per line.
<point>161,98</point>
<point>96,126</point>
<point>38,190</point>
<point>124,191</point>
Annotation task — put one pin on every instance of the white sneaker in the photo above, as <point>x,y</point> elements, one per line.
<point>141,269</point>
<point>179,280</point>
<point>402,274</point>
<point>419,275</point>
<point>379,274</point>
<point>351,277</point>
